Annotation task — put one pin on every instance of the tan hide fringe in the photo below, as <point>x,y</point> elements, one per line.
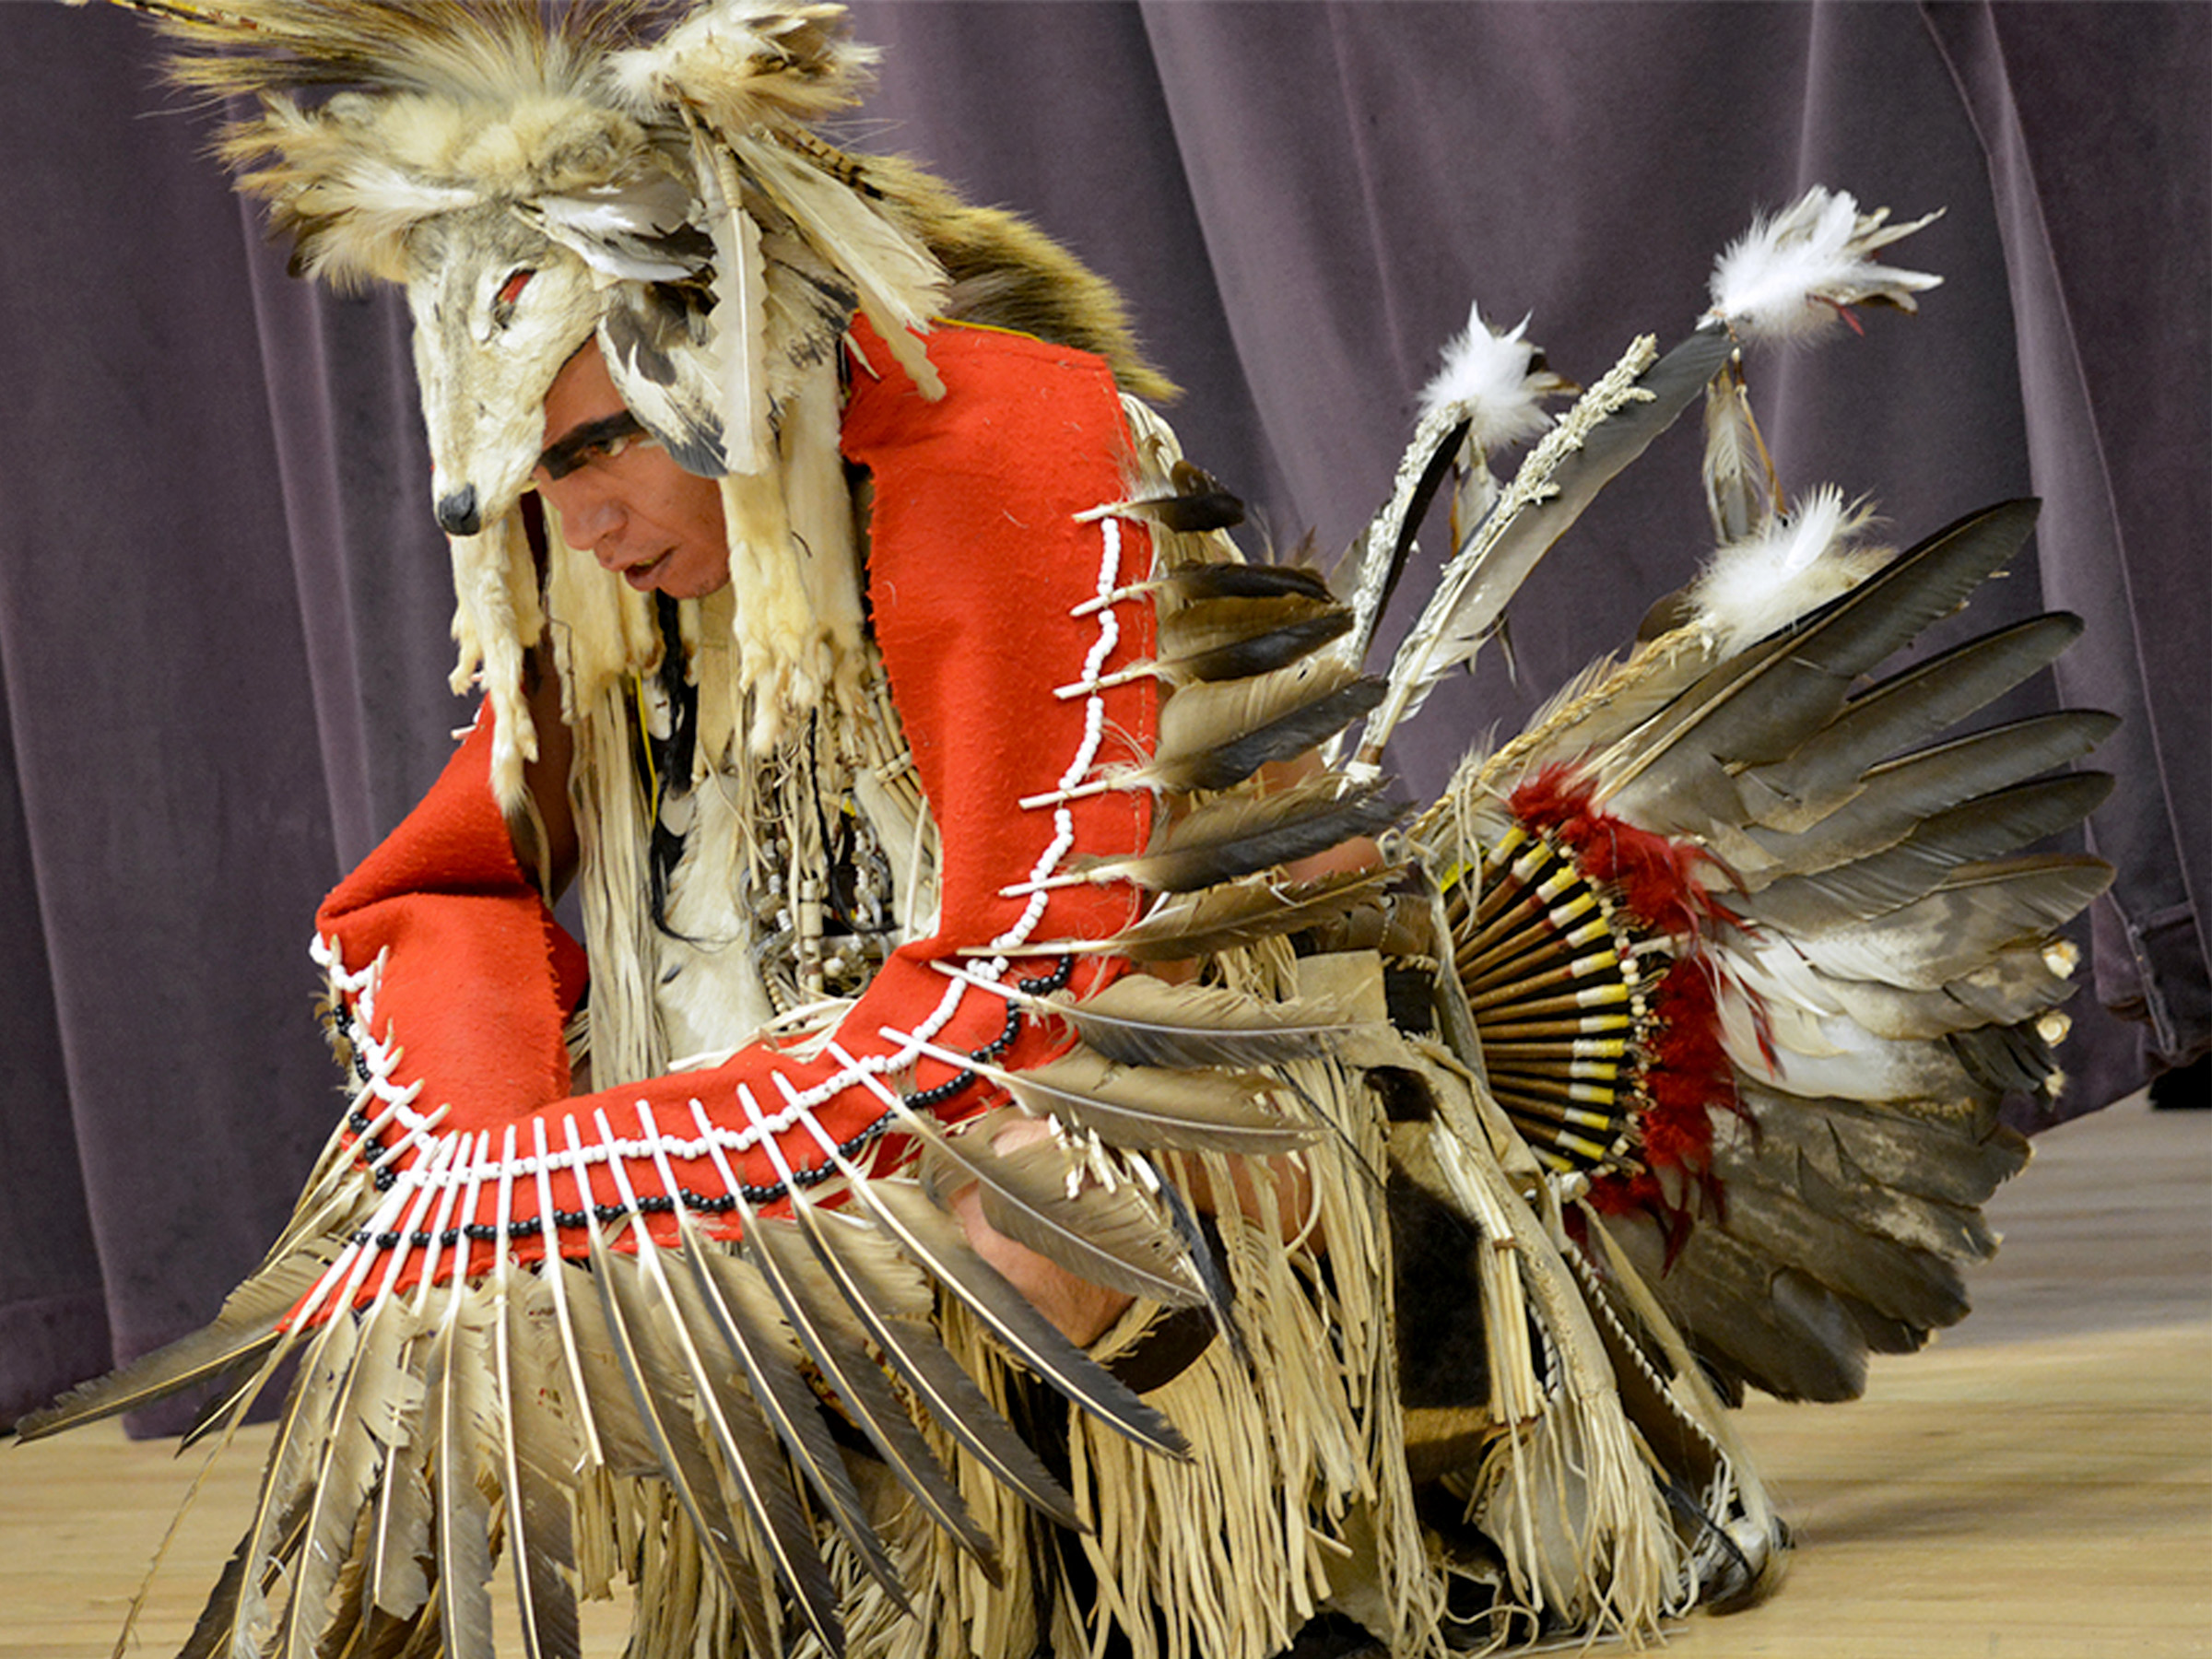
<point>769,622</point>
<point>495,616</point>
<point>604,638</point>
<point>888,791</point>
<point>680,1604</point>
<point>1736,1487</point>
<point>1567,1494</point>
<point>825,542</point>
<point>710,632</point>
<point>605,1517</point>
<point>958,1610</point>
<point>874,1623</point>
<point>1299,1496</point>
<point>614,834</point>
<point>602,631</point>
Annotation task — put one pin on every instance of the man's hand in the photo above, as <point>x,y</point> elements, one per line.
<point>1081,1310</point>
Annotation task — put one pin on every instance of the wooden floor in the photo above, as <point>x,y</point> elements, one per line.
<point>2039,1485</point>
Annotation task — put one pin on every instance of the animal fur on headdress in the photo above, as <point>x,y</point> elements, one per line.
<point>536,177</point>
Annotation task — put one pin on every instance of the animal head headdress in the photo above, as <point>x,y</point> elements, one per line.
<point>535,177</point>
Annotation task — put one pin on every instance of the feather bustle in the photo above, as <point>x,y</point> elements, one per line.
<point>1608,428</point>
<point>1984,827</point>
<point>1741,491</point>
<point>1795,793</point>
<point>1753,709</point>
<point>1894,796</point>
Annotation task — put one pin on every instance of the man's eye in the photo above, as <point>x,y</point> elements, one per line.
<point>591,445</point>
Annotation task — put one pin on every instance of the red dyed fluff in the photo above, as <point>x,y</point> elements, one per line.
<point>1689,1074</point>
<point>1654,879</point>
<point>1689,1077</point>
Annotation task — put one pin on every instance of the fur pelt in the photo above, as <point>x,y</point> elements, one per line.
<point>1008,273</point>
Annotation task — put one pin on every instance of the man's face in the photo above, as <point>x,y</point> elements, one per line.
<point>643,517</point>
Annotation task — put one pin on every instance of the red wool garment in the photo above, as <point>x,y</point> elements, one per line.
<point>978,568</point>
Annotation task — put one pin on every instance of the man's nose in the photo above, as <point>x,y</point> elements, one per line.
<point>590,519</point>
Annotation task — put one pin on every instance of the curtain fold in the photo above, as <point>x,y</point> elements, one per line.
<point>224,607</point>
<point>53,1316</point>
<point>2103,206</point>
<point>172,779</point>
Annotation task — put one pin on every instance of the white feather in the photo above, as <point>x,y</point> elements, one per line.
<point>1485,375</point>
<point>1790,275</point>
<point>617,229</point>
<point>900,284</point>
<point>1798,562</point>
<point>740,310</point>
<point>649,207</point>
<point>612,261</point>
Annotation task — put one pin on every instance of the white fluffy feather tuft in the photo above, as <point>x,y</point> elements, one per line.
<point>1800,561</point>
<point>1498,380</point>
<point>742,62</point>
<point>1791,275</point>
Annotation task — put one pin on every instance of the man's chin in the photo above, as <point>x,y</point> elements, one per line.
<point>695,589</point>
<point>680,578</point>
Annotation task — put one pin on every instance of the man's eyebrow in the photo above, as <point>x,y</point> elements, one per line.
<point>566,453</point>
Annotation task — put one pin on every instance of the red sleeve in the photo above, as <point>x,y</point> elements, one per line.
<point>986,592</point>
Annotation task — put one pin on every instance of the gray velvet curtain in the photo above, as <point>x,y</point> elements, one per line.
<point>223,607</point>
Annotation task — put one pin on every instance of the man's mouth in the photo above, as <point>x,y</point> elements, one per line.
<point>641,576</point>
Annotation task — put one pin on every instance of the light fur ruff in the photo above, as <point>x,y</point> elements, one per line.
<point>650,176</point>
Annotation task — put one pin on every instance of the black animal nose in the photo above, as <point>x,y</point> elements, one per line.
<point>457,513</point>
